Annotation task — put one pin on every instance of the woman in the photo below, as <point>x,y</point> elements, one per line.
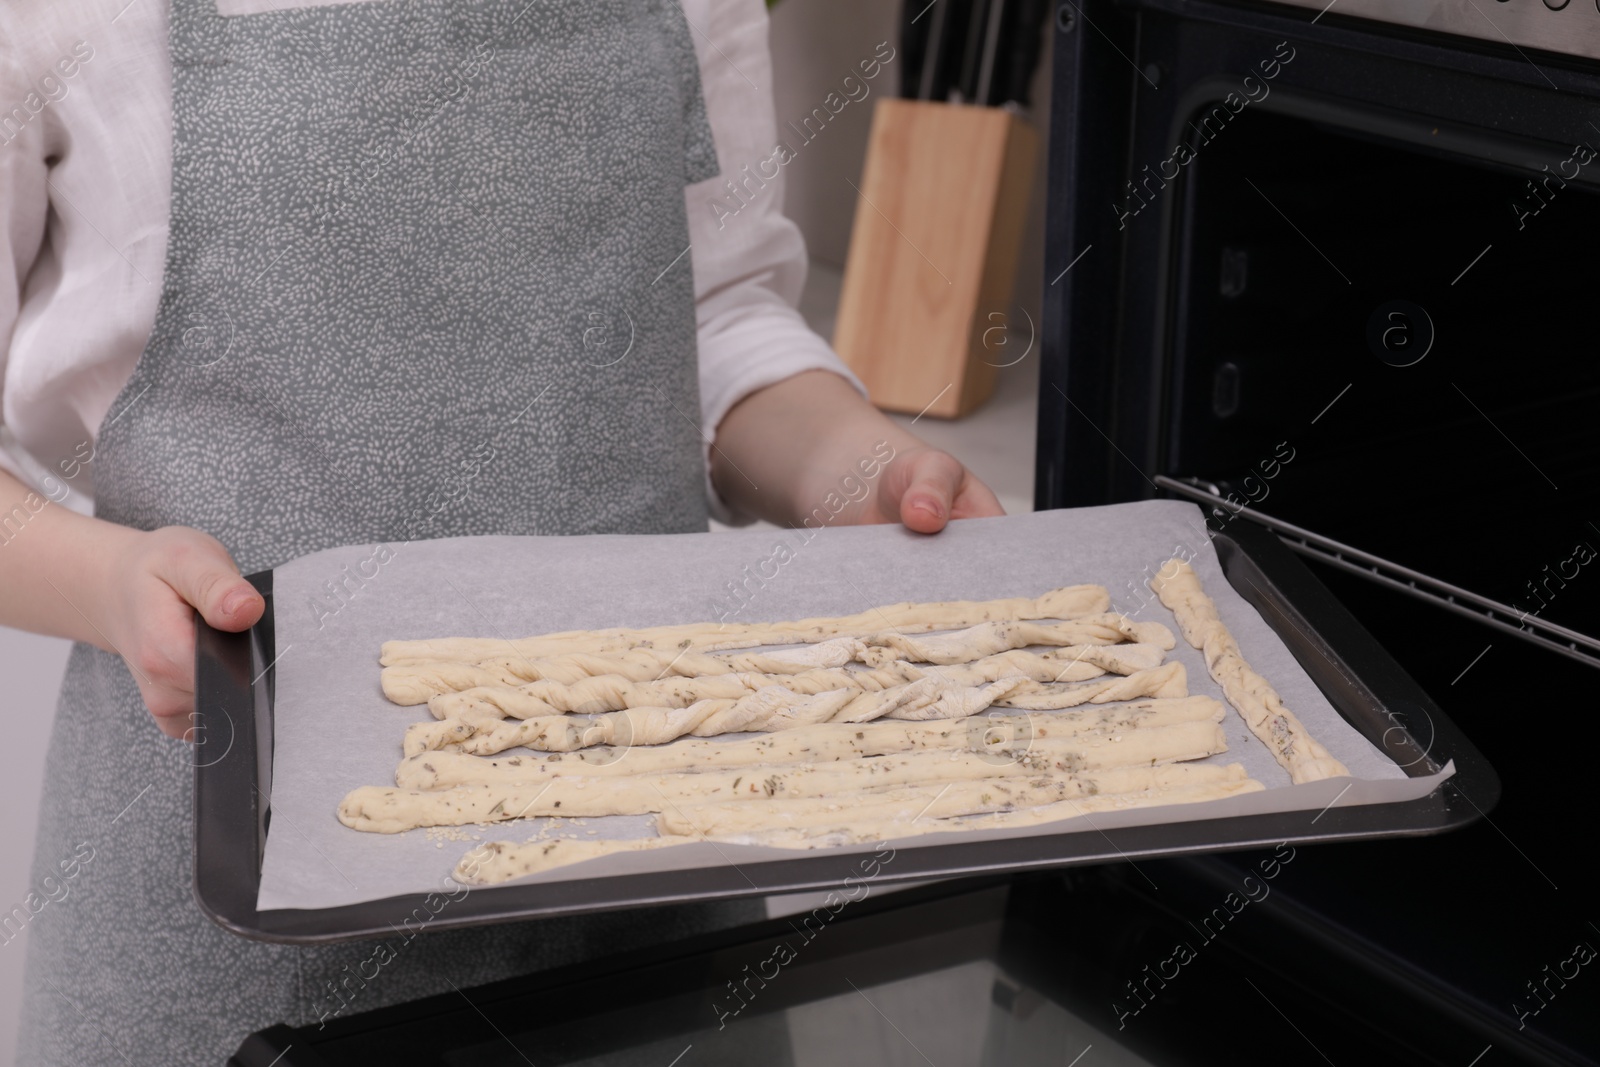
<point>402,237</point>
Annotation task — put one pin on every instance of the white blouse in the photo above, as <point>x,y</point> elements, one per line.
<point>85,171</point>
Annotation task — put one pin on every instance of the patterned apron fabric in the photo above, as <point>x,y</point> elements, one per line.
<point>425,278</point>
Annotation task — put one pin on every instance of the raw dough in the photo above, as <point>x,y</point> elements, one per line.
<point>384,810</point>
<point>1258,703</point>
<point>1066,603</point>
<point>985,639</point>
<point>1167,680</point>
<point>847,833</point>
<point>937,799</point>
<point>837,741</point>
<point>595,694</point>
<point>501,861</point>
<point>976,757</point>
<point>414,683</point>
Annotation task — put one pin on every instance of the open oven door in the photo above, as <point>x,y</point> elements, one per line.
<point>1328,268</point>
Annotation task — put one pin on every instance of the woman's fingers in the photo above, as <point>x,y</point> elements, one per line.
<point>200,571</point>
<point>925,488</point>
<point>157,583</point>
<point>935,478</point>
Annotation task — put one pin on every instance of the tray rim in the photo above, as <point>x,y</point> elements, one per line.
<point>234,674</point>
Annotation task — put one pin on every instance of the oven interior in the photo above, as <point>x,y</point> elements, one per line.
<point>1363,306</point>
<point>1479,463</point>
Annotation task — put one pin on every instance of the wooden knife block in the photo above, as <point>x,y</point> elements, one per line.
<point>933,253</point>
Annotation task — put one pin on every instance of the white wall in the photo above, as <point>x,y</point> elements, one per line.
<point>30,674</point>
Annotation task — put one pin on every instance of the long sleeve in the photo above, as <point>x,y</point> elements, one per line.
<point>749,259</point>
<point>85,154</point>
<point>24,208</point>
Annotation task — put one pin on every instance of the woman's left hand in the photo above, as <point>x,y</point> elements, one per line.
<point>925,488</point>
<point>811,442</point>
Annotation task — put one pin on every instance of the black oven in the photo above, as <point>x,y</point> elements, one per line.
<point>1330,267</point>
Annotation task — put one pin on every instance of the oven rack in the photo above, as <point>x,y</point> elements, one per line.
<point>1560,639</point>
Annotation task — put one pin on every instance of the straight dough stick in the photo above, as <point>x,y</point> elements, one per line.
<point>849,782</point>
<point>380,809</point>
<point>414,683</point>
<point>937,799</point>
<point>612,692</point>
<point>1167,680</point>
<point>501,861</point>
<point>1070,602</point>
<point>847,833</point>
<point>446,770</point>
<point>1257,702</point>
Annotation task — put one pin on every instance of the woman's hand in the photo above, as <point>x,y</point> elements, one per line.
<point>925,488</point>
<point>152,584</point>
<point>119,589</point>
<point>802,448</point>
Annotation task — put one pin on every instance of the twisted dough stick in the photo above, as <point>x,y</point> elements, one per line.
<point>1167,680</point>
<point>991,637</point>
<point>416,682</point>
<point>383,810</point>
<point>610,692</point>
<point>1067,603</point>
<point>1258,703</point>
<point>823,743</point>
<point>775,708</point>
<point>600,693</point>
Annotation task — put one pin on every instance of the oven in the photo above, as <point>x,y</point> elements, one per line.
<point>1328,267</point>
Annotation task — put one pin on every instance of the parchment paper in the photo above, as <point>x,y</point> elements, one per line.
<point>336,731</point>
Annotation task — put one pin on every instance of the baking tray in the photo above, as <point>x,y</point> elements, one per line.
<point>234,686</point>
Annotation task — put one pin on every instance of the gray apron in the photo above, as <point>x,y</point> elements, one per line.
<point>425,278</point>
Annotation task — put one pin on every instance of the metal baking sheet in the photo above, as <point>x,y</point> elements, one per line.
<point>1344,666</point>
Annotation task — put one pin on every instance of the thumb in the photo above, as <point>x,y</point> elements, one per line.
<point>931,479</point>
<point>202,573</point>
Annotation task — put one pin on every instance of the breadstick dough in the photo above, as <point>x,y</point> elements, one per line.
<point>935,799</point>
<point>383,810</point>
<point>1067,603</point>
<point>1258,703</point>
<point>415,683</point>
<point>988,638</point>
<point>971,754</point>
<point>501,861</point>
<point>847,833</point>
